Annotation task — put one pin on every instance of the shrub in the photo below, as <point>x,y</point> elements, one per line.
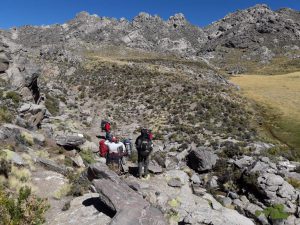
<point>5,115</point>
<point>14,96</point>
<point>5,167</point>
<point>87,156</point>
<point>79,184</point>
<point>294,182</point>
<point>275,212</point>
<point>25,208</point>
<point>52,104</point>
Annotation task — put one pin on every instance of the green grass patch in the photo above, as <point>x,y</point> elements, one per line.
<point>52,104</point>
<point>274,212</point>
<point>14,96</point>
<point>87,156</point>
<point>5,115</point>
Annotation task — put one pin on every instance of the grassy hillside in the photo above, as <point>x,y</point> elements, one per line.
<point>279,100</point>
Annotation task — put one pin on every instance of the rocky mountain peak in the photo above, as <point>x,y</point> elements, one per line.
<point>143,17</point>
<point>84,15</point>
<point>177,20</point>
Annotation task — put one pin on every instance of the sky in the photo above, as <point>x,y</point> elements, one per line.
<point>15,13</point>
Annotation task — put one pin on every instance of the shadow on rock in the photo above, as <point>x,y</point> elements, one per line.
<point>100,206</point>
<point>133,170</point>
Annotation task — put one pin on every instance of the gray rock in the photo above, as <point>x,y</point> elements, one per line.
<point>173,182</point>
<point>14,157</point>
<point>213,182</point>
<point>154,167</point>
<point>226,201</point>
<point>129,206</point>
<point>196,179</point>
<point>14,132</point>
<point>202,159</point>
<point>51,165</point>
<point>198,190</point>
<point>277,190</point>
<point>245,161</point>
<point>4,62</point>
<point>84,210</point>
<point>233,195</point>
<point>70,141</point>
<point>77,160</point>
<point>89,146</point>
<point>179,175</point>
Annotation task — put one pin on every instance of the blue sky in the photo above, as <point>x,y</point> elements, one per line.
<point>199,12</point>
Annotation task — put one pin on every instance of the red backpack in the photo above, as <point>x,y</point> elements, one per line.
<point>105,126</point>
<point>103,149</point>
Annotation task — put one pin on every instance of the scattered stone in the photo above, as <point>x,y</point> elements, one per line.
<point>173,182</point>
<point>196,179</point>
<point>226,201</point>
<point>197,190</point>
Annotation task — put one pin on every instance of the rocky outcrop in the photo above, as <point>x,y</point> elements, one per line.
<point>21,135</point>
<point>202,159</point>
<point>129,206</point>
<point>254,27</point>
<point>70,141</point>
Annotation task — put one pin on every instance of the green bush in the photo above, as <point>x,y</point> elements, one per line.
<point>5,115</point>
<point>87,156</point>
<point>14,96</point>
<point>52,104</point>
<point>25,208</point>
<point>274,212</point>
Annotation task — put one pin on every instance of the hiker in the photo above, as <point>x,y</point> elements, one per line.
<point>144,147</point>
<point>116,151</point>
<point>105,126</point>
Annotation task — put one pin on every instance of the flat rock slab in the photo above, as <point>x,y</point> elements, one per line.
<point>70,140</point>
<point>129,206</point>
<point>155,168</point>
<point>173,182</point>
<point>84,210</point>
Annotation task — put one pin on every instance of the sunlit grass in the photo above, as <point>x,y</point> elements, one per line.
<point>280,95</point>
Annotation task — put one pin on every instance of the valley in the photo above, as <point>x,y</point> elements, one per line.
<point>279,97</point>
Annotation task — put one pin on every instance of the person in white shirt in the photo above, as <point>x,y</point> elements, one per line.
<point>116,150</point>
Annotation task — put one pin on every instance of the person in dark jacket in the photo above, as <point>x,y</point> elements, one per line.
<point>144,147</point>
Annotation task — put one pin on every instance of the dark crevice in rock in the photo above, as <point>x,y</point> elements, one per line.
<point>34,88</point>
<point>100,206</point>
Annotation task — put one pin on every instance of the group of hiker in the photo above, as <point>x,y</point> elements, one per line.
<point>115,150</point>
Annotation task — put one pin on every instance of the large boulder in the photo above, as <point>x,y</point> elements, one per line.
<point>31,115</point>
<point>21,135</point>
<point>130,207</point>
<point>4,62</point>
<point>23,76</point>
<point>202,159</point>
<point>84,210</point>
<point>277,191</point>
<point>70,141</point>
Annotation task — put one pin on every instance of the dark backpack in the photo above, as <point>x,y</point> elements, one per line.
<point>145,147</point>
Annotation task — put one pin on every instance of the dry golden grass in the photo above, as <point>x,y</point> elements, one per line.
<point>281,93</point>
